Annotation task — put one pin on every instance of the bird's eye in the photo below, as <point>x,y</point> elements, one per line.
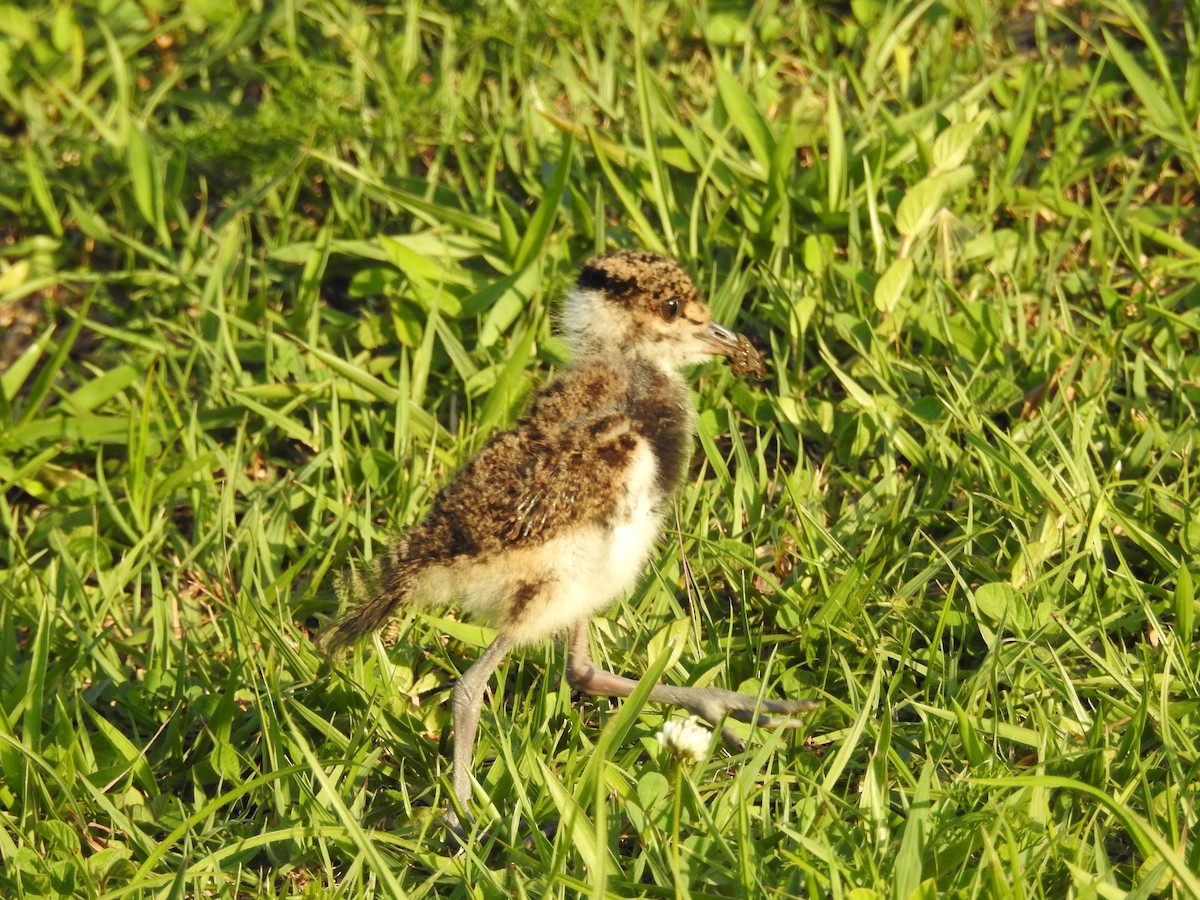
<point>670,309</point>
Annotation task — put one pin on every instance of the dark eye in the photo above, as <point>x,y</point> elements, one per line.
<point>669,309</point>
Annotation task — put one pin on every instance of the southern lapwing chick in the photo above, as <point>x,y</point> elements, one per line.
<point>555,519</point>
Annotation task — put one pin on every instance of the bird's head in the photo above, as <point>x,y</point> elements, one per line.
<point>634,303</point>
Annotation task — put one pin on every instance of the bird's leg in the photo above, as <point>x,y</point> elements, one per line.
<point>710,704</point>
<point>468,702</point>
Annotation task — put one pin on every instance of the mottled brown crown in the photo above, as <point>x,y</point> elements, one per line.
<point>629,276</point>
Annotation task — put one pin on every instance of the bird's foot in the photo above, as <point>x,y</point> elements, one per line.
<point>710,704</point>
<point>458,838</point>
<point>456,835</point>
<point>713,705</point>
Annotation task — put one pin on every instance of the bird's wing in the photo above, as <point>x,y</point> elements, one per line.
<point>576,397</point>
<point>529,483</point>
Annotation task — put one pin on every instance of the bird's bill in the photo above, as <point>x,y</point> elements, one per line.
<point>720,340</point>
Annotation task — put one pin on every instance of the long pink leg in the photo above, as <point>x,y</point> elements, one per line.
<point>710,704</point>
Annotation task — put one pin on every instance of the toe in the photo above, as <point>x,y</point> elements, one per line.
<point>732,741</point>
<point>456,835</point>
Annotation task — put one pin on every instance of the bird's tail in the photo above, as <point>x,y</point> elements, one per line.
<point>385,583</point>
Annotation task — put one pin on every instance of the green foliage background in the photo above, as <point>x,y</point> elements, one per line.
<point>269,272</point>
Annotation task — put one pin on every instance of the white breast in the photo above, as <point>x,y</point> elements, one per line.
<point>635,528</point>
<point>594,565</point>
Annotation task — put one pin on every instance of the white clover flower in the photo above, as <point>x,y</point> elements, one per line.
<point>685,738</point>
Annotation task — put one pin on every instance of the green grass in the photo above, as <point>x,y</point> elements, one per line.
<point>267,277</point>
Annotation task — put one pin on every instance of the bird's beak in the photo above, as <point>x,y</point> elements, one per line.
<point>719,339</point>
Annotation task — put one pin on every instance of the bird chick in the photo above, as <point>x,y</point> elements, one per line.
<point>556,518</point>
